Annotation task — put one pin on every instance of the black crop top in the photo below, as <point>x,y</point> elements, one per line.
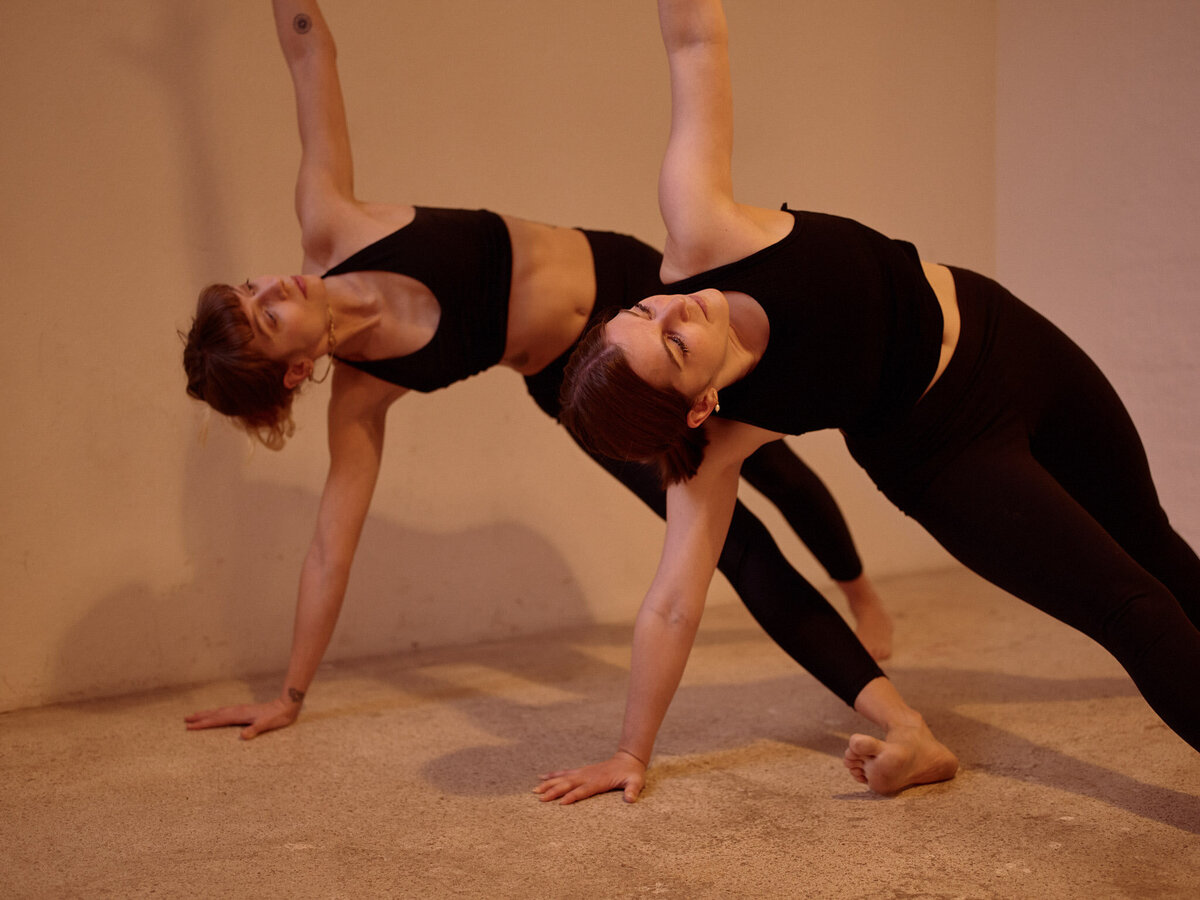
<point>465,258</point>
<point>856,328</point>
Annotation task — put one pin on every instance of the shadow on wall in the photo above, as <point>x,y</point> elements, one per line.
<point>233,617</point>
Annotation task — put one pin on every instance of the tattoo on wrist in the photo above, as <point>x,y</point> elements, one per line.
<point>303,24</point>
<point>295,696</point>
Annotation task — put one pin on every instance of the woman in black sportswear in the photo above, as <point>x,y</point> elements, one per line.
<point>971,412</point>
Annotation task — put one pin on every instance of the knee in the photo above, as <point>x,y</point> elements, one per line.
<point>749,548</point>
<point>1139,623</point>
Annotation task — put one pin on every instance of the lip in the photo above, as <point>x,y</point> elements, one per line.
<point>300,284</point>
<point>702,304</point>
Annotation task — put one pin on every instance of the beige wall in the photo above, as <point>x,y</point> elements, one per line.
<point>1098,203</point>
<point>150,148</point>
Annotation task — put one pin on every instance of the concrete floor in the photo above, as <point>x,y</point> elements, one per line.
<point>410,777</point>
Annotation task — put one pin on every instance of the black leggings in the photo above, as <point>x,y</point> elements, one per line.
<point>777,473</point>
<point>794,613</point>
<point>1022,461</point>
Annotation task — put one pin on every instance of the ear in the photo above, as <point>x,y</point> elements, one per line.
<point>298,371</point>
<point>702,407</point>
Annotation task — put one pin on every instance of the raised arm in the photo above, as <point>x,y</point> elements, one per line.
<point>357,414</point>
<point>326,176</point>
<point>695,183</point>
<point>698,516</point>
<point>706,227</point>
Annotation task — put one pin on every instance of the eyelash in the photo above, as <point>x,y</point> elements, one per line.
<point>676,339</point>
<point>250,290</point>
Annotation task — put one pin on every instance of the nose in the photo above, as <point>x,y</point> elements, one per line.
<point>677,307</point>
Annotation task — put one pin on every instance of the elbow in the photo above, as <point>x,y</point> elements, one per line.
<point>677,613</point>
<point>687,25</point>
<point>306,48</point>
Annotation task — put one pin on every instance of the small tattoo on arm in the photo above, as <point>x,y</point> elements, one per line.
<point>303,24</point>
<point>295,695</point>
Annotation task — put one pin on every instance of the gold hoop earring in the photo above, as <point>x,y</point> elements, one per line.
<point>332,344</point>
<point>321,380</point>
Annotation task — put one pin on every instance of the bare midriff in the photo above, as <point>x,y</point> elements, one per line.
<point>552,293</point>
<point>942,282</point>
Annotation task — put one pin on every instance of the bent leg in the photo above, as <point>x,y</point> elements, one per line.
<point>908,755</point>
<point>775,471</point>
<point>794,613</point>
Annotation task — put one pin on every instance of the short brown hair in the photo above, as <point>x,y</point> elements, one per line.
<point>230,375</point>
<point>613,412</point>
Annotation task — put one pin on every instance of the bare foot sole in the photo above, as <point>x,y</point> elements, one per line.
<point>909,755</point>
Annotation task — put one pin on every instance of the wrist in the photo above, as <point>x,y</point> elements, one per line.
<point>632,755</point>
<point>293,696</point>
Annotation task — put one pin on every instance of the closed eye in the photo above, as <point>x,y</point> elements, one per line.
<point>643,311</point>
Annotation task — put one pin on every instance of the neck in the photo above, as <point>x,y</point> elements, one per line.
<point>353,311</point>
<point>749,333</point>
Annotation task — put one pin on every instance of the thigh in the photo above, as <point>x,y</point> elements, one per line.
<point>1007,518</point>
<point>1083,436</point>
<point>1002,514</point>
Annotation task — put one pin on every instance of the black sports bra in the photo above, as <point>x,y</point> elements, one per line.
<point>465,258</point>
<point>855,328</point>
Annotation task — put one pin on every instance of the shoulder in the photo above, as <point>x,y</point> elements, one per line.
<point>728,233</point>
<point>356,396</point>
<point>341,229</point>
<point>731,442</point>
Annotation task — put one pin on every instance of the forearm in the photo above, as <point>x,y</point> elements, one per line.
<point>662,642</point>
<point>322,591</point>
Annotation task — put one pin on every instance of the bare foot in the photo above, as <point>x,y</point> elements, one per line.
<point>909,755</point>
<point>872,623</point>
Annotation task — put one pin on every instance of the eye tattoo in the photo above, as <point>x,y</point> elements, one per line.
<point>302,23</point>
<point>294,695</point>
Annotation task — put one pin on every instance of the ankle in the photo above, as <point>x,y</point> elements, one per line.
<point>906,718</point>
<point>859,593</point>
<point>881,703</point>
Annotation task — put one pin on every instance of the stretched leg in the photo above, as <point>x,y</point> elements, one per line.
<point>1052,500</point>
<point>776,472</point>
<point>1093,450</point>
<point>1010,521</point>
